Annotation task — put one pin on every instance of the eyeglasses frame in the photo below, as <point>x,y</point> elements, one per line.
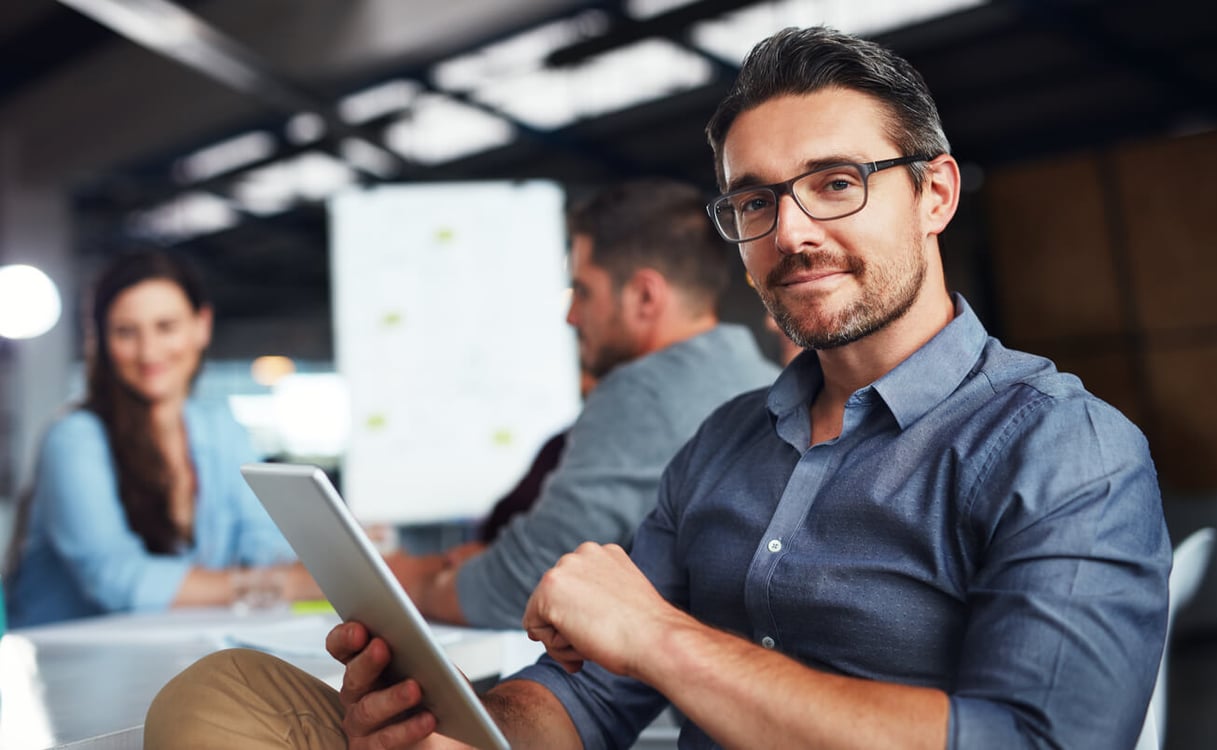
<point>786,187</point>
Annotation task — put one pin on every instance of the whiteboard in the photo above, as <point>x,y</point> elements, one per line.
<point>449,305</point>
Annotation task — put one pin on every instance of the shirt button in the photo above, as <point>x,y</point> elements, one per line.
<point>775,545</point>
<point>767,642</point>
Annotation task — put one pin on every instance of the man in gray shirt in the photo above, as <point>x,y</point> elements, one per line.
<point>647,273</point>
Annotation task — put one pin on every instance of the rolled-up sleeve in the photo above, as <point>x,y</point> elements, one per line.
<point>1068,608</point>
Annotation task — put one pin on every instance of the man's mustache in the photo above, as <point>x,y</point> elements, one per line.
<point>791,265</point>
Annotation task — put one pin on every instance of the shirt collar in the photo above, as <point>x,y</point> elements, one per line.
<point>913,387</point>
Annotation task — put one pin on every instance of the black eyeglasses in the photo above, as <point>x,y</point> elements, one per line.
<point>824,194</point>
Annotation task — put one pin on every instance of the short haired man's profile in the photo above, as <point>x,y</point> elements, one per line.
<point>647,276</point>
<point>915,538</point>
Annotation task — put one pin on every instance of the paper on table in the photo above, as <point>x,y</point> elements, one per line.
<point>299,636</point>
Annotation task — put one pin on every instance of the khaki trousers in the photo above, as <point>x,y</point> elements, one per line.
<point>244,699</point>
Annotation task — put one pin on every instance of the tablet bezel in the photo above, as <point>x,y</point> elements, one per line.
<point>332,545</point>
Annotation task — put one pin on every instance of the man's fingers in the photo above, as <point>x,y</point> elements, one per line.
<point>363,672</point>
<point>346,640</point>
<point>376,709</point>
<point>401,734</point>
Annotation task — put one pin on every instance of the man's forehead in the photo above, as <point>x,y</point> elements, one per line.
<point>580,254</point>
<point>790,131</point>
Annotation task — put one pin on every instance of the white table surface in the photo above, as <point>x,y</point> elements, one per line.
<point>82,681</point>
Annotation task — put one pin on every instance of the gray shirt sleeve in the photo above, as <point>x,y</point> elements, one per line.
<point>602,488</point>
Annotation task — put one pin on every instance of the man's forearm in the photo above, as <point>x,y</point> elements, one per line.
<point>738,692</point>
<point>430,581</point>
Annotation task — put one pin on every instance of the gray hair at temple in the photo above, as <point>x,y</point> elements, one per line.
<point>798,61</point>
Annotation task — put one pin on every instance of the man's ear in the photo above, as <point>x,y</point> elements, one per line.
<point>646,295</point>
<point>940,193</point>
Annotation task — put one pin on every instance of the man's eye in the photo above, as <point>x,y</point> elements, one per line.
<point>753,203</point>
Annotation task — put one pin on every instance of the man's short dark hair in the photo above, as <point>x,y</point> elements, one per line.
<point>801,61</point>
<point>656,223</point>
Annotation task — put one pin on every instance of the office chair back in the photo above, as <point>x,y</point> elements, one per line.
<point>1191,562</point>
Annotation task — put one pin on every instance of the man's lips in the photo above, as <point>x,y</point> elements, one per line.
<point>805,277</point>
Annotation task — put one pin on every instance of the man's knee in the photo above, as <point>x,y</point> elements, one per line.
<point>247,697</point>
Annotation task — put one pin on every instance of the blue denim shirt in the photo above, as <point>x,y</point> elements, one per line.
<point>80,557</point>
<point>982,525</point>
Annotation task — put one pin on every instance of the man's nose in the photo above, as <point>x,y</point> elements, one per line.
<point>795,231</point>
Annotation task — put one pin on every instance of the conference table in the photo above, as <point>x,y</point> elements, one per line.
<point>87,684</point>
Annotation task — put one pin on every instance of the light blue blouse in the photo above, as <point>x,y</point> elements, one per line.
<point>80,556</point>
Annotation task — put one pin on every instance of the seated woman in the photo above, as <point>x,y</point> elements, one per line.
<point>137,502</point>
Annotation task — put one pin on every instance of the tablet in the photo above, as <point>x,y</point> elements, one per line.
<point>335,550</point>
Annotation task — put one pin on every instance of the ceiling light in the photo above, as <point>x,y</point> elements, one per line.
<point>731,36</point>
<point>641,72</point>
<point>368,157</point>
<point>521,54</point>
<point>378,101</point>
<point>225,156</point>
<point>188,215</point>
<point>439,129</point>
<point>311,176</point>
<point>305,127</point>
<point>643,9</point>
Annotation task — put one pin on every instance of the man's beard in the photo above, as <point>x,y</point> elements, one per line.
<point>605,359</point>
<point>887,294</point>
<point>611,352</point>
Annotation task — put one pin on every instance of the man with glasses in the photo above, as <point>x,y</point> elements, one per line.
<point>914,538</point>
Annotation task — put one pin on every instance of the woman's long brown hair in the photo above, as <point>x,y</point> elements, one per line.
<point>141,467</point>
<point>143,472</point>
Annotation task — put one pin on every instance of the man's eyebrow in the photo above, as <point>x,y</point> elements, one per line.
<point>750,180</point>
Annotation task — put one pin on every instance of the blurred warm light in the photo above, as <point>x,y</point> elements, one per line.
<point>270,369</point>
<point>29,302</point>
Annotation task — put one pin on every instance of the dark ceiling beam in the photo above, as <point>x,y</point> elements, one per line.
<point>26,58</point>
<point>176,33</point>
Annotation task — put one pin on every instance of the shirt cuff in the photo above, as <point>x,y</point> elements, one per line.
<point>159,583</point>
